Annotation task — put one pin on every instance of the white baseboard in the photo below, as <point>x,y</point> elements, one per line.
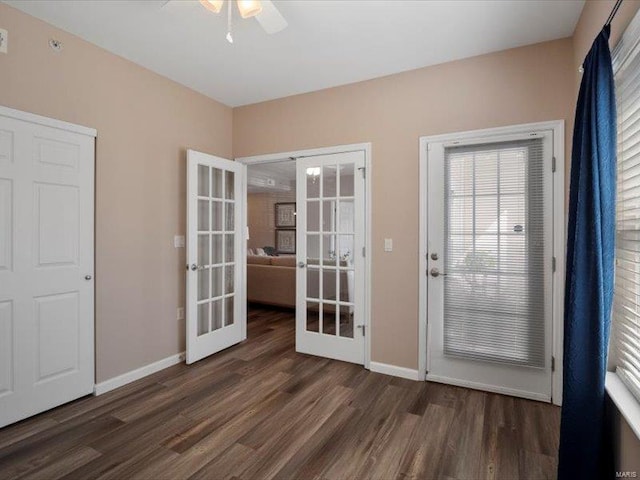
<point>489,388</point>
<point>395,371</point>
<point>137,374</point>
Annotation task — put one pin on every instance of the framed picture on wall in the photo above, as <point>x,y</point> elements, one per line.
<point>286,241</point>
<point>285,215</point>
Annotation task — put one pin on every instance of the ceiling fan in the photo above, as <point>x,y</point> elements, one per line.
<point>264,11</point>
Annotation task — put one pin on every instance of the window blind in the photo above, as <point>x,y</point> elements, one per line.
<point>626,307</point>
<point>494,290</point>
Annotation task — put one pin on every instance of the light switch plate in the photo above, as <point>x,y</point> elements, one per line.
<point>180,313</point>
<point>178,241</point>
<point>388,244</point>
<point>4,40</point>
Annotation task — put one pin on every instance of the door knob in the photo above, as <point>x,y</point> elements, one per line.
<point>436,273</point>
<point>302,264</point>
<point>88,277</point>
<point>194,267</point>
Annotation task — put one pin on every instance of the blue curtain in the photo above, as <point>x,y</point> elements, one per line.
<point>590,264</point>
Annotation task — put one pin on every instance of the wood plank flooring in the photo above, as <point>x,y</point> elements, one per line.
<point>260,411</point>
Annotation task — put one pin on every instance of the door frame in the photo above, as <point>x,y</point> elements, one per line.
<point>295,154</point>
<point>559,245</point>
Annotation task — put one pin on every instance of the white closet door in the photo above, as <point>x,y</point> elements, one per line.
<point>46,264</point>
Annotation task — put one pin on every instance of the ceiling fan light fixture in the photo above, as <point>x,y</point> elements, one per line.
<point>249,8</point>
<point>212,5</point>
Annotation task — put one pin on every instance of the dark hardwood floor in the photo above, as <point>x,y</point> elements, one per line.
<point>260,410</point>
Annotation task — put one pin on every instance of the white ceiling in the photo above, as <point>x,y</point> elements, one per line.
<point>327,43</point>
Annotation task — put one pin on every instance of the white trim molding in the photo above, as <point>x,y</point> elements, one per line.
<point>47,122</point>
<point>559,245</point>
<point>488,388</point>
<point>402,372</point>
<point>355,147</point>
<point>137,374</point>
<point>624,400</point>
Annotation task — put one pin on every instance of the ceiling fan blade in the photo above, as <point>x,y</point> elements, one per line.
<point>270,18</point>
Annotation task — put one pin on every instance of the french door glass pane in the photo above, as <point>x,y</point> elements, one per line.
<point>328,249</point>
<point>345,249</point>
<point>329,319</point>
<point>216,314</point>
<point>313,248</point>
<point>328,216</point>
<point>328,284</point>
<point>346,180</point>
<point>229,279</point>
<point>203,249</point>
<point>229,247</point>
<point>203,215</point>
<point>228,317</point>
<point>313,317</point>
<point>203,180</point>
<point>329,181</point>
<point>313,216</point>
<point>203,318</point>
<point>346,321</point>
<point>216,248</point>
<point>346,216</point>
<point>216,182</point>
<point>313,182</point>
<point>347,285</point>
<point>203,284</point>
<point>216,216</point>
<point>229,217</point>
<point>230,185</point>
<point>216,282</point>
<point>313,283</point>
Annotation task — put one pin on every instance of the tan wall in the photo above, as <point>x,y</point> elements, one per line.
<point>145,123</point>
<point>626,443</point>
<point>261,216</point>
<point>529,84</point>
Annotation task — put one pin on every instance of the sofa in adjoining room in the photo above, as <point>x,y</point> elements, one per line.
<point>271,280</point>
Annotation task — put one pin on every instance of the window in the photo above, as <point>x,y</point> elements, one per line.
<point>625,346</point>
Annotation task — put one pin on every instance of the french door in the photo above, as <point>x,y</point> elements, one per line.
<point>330,256</point>
<point>489,265</point>
<point>46,264</point>
<point>216,299</point>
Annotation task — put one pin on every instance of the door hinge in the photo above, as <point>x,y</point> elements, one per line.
<point>364,171</point>
<point>553,364</point>
<point>363,328</point>
<point>553,164</point>
<point>553,264</point>
<point>364,251</point>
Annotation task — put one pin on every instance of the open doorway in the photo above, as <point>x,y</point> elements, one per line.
<point>271,235</point>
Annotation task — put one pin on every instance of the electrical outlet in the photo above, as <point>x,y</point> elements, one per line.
<point>180,313</point>
<point>4,41</point>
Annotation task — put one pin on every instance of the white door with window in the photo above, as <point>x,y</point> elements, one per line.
<point>330,256</point>
<point>490,264</point>
<point>46,264</point>
<point>216,298</point>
